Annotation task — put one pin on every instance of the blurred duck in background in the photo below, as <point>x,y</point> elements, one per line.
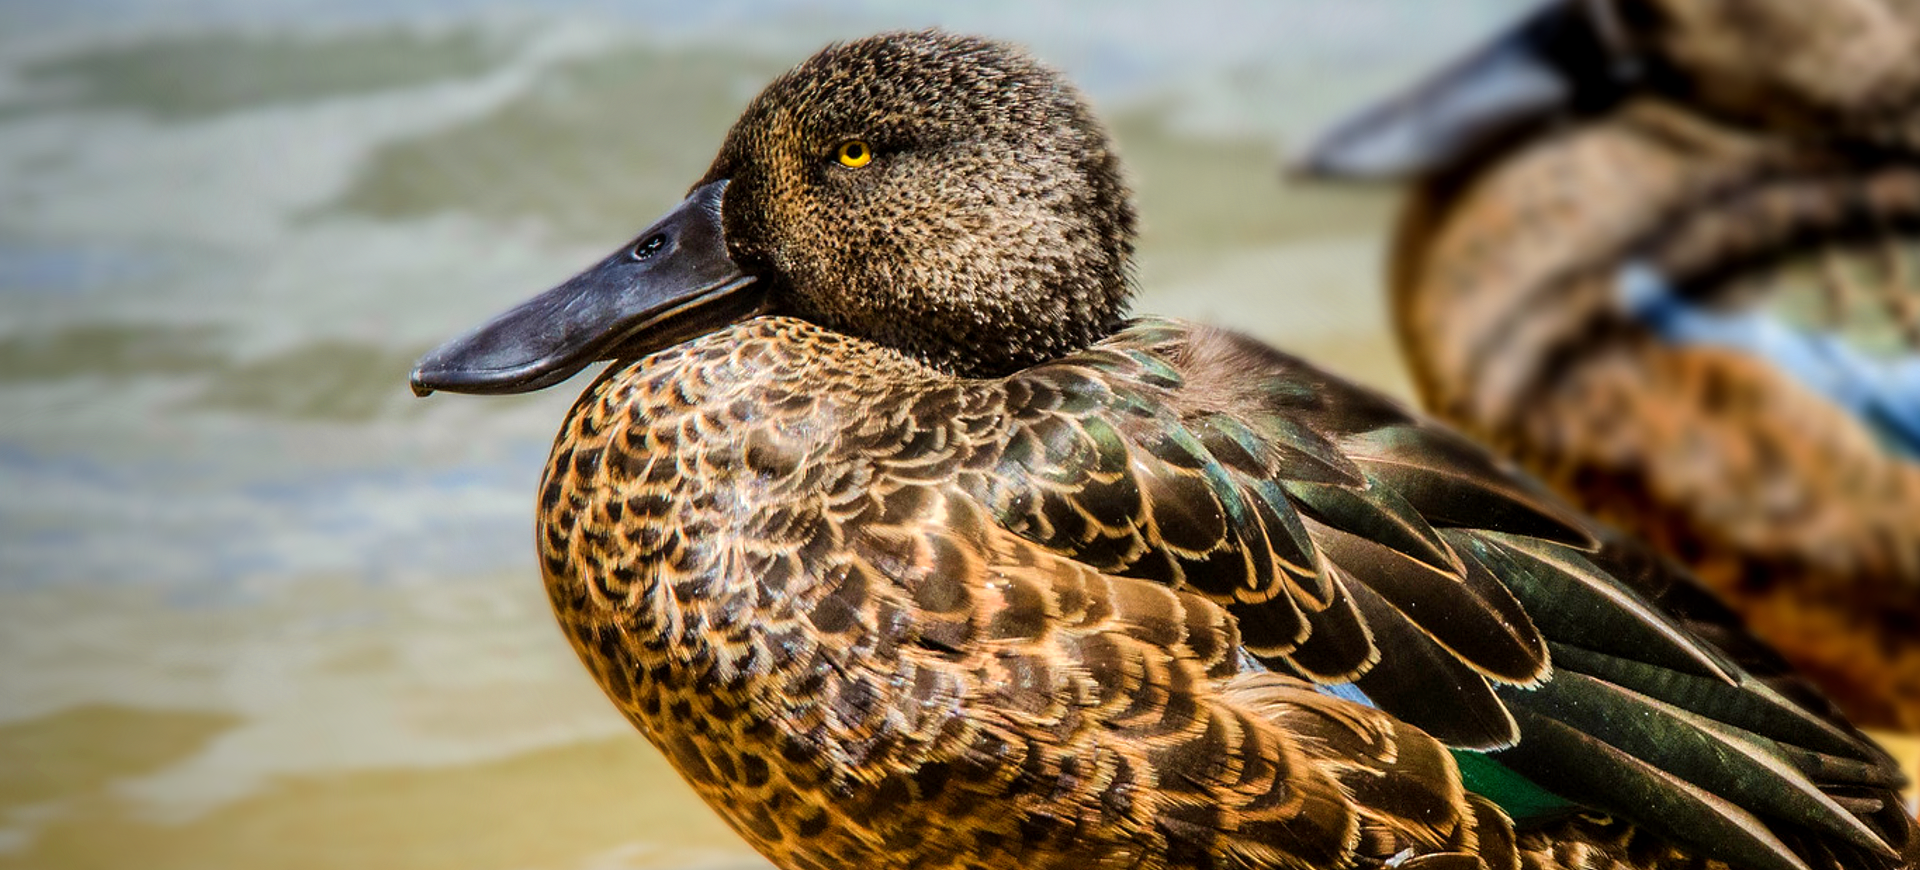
<point>1662,252</point>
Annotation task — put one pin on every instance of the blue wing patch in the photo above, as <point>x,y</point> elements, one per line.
<point>1884,393</point>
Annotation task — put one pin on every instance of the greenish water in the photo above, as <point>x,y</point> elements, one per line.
<point>259,606</point>
<point>193,77</point>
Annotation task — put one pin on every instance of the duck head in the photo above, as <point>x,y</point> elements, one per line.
<point>1812,69</point>
<point>945,196</point>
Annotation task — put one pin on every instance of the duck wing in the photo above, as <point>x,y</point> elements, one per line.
<point>1364,549</point>
<point>1115,710</point>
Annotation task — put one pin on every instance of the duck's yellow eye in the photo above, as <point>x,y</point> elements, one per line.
<point>855,154</point>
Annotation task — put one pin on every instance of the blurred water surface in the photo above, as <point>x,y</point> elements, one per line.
<point>261,607</point>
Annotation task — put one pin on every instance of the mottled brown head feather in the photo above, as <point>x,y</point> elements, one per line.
<point>1790,65</point>
<point>990,231</point>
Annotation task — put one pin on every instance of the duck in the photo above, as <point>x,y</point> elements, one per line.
<point>908,546</point>
<point>1658,252</point>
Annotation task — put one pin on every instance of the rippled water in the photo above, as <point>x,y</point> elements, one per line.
<point>261,607</point>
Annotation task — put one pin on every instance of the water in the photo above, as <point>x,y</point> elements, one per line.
<point>261,607</point>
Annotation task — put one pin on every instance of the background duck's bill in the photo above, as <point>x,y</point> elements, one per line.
<point>675,280</point>
<point>1557,59</point>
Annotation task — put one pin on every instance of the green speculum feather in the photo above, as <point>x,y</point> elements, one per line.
<point>1520,798</point>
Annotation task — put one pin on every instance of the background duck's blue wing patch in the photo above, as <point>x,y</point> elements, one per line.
<point>1884,393</point>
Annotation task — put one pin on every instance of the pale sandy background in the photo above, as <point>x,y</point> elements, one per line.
<point>259,607</point>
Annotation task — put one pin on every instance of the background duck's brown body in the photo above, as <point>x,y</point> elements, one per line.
<point>1505,301</point>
